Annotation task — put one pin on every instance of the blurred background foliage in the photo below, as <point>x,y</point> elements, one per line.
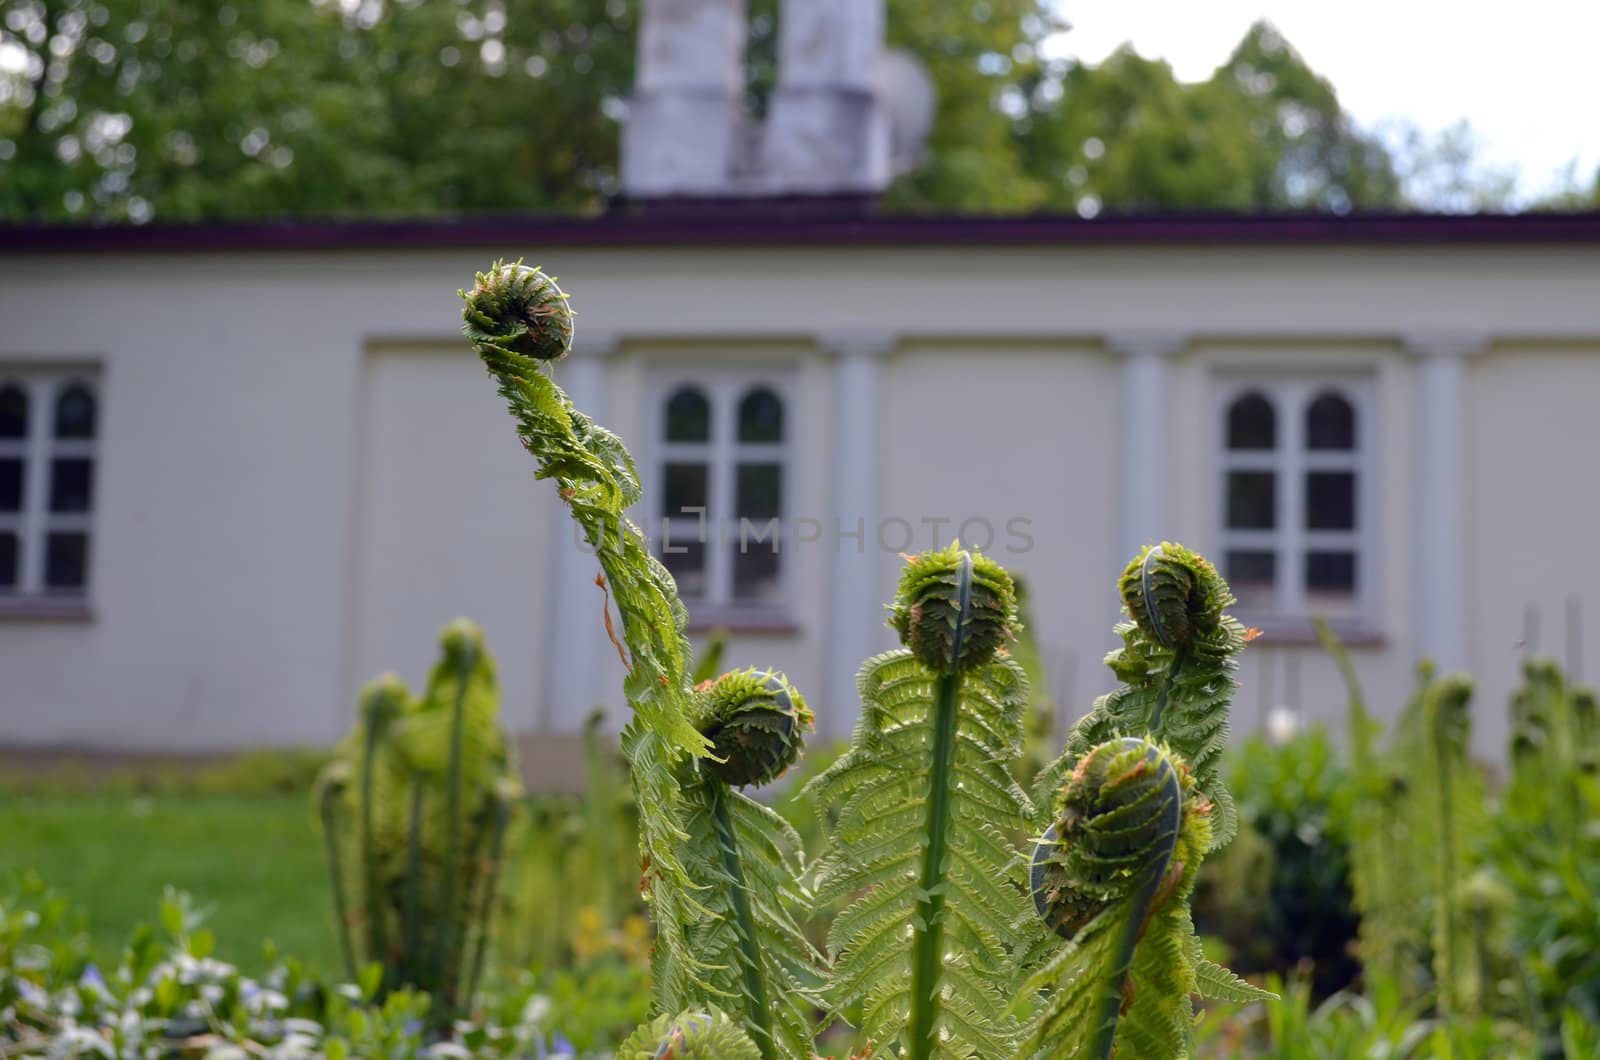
<point>202,109</point>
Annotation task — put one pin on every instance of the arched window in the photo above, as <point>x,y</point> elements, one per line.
<point>75,412</point>
<point>1293,528</point>
<point>1330,422</point>
<point>688,415</point>
<point>1252,423</point>
<point>48,423</point>
<point>13,411</point>
<point>760,416</point>
<point>723,478</point>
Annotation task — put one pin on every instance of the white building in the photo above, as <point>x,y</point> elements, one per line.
<point>243,468</point>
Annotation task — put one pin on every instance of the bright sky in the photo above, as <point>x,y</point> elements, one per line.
<point>1525,75</point>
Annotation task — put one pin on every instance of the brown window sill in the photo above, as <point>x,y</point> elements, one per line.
<point>43,609</point>
<point>733,620</point>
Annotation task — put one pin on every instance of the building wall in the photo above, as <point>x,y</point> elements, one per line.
<point>303,474</point>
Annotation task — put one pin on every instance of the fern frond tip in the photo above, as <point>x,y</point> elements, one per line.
<point>756,722</point>
<point>954,609</point>
<point>519,310</point>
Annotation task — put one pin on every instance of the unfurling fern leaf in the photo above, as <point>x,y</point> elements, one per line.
<point>1114,876</point>
<point>752,957</point>
<point>924,804</point>
<point>1177,662</point>
<point>518,321</point>
<point>689,1036</point>
<point>722,871</point>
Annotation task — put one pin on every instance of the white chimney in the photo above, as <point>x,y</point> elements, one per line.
<point>827,132</point>
<point>828,126</point>
<point>682,136</point>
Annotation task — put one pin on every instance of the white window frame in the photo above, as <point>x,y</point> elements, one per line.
<point>35,522</point>
<point>1291,395</point>
<point>723,387</point>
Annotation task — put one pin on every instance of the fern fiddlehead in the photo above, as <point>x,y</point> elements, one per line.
<point>745,859</point>
<point>1129,833</point>
<point>518,320</point>
<point>923,802</point>
<point>1177,664</point>
<point>1130,822</point>
<point>721,870</point>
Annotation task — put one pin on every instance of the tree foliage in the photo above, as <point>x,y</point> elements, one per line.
<point>190,109</point>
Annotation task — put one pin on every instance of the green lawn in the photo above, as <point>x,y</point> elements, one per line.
<point>255,862</point>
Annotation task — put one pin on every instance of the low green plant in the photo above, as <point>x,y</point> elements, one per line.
<point>1280,894</point>
<point>936,952</point>
<point>171,996</point>
<point>414,811</point>
<point>1481,904</point>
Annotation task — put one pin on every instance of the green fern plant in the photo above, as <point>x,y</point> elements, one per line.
<point>720,873</point>
<point>415,808</point>
<point>936,952</point>
<point>1132,807</point>
<point>1177,664</point>
<point>924,808</point>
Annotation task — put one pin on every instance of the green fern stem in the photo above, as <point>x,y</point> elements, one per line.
<point>485,912</point>
<point>757,1008</point>
<point>377,928</point>
<point>412,928</point>
<point>927,959</point>
<point>1142,905</point>
<point>327,805</point>
<point>465,659</point>
<point>1447,731</point>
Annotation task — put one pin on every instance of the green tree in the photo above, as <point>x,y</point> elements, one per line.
<point>208,108</point>
<point>1264,132</point>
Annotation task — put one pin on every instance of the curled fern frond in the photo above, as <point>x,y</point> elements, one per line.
<point>1177,664</point>
<point>948,632</point>
<point>1115,876</point>
<point>520,310</point>
<point>923,805</point>
<point>689,1036</point>
<point>756,723</point>
<point>1173,595</point>
<point>517,322</point>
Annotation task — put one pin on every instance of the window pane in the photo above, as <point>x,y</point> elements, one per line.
<point>688,416</point>
<point>1252,500</point>
<point>1252,423</point>
<point>11,484</point>
<point>13,412</point>
<point>71,483</point>
<point>688,566</point>
<point>1331,500</point>
<point>1331,572</point>
<point>760,491</point>
<point>755,574</point>
<point>1330,423</point>
<point>66,560</point>
<point>75,413</point>
<point>685,488</point>
<point>8,560</point>
<point>761,416</point>
<point>1253,577</point>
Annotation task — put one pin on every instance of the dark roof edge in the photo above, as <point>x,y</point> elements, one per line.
<point>780,229</point>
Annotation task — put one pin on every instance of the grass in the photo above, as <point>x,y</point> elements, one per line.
<point>254,861</point>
